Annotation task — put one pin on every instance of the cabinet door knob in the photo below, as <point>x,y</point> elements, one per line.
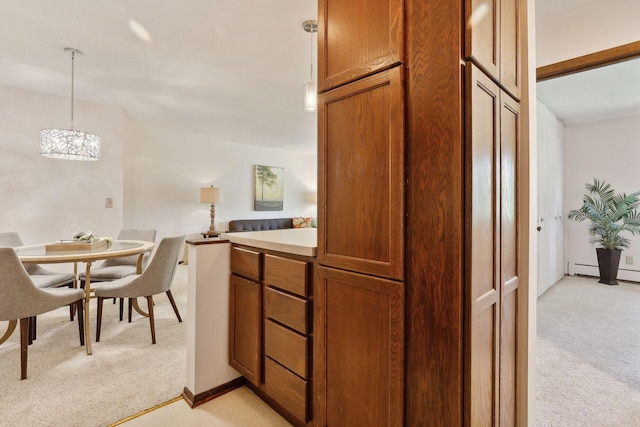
<point>539,228</point>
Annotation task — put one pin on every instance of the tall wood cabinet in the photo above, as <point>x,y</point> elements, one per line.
<point>417,311</point>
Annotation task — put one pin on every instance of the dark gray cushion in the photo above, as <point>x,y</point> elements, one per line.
<point>260,224</point>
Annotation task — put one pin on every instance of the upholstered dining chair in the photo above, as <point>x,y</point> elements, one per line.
<point>23,300</point>
<point>117,268</point>
<point>154,280</point>
<point>42,277</point>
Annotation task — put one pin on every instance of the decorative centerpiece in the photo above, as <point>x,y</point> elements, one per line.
<point>82,241</point>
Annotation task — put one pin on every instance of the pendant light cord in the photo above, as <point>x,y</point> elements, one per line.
<point>311,57</point>
<point>73,56</point>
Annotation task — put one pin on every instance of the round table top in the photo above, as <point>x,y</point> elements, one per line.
<point>119,248</point>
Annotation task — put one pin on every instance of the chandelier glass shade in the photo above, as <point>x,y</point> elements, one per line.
<point>69,144</point>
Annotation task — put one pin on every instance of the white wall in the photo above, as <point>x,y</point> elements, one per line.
<point>608,150</point>
<point>164,172</point>
<point>551,218</point>
<point>41,197</point>
<point>591,28</point>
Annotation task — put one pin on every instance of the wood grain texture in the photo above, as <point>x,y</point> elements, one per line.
<point>435,222</point>
<point>511,46</point>
<point>288,274</point>
<point>483,248</point>
<point>361,156</point>
<point>588,62</point>
<point>245,328</point>
<point>286,388</point>
<point>287,347</point>
<point>364,341</point>
<point>287,309</point>
<point>482,34</point>
<point>510,143</point>
<point>246,263</point>
<point>357,38</point>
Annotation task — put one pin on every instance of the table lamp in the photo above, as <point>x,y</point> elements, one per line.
<point>211,195</point>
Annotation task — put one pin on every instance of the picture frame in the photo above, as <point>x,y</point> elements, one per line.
<point>269,188</point>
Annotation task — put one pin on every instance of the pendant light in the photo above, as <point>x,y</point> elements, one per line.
<point>310,88</point>
<point>69,144</point>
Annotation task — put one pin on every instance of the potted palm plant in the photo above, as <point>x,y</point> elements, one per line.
<point>609,214</point>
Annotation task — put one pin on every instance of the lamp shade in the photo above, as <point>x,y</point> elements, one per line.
<point>211,195</point>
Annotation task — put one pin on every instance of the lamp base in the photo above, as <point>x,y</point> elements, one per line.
<point>206,234</point>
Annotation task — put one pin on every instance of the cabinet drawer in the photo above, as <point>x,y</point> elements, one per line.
<point>287,309</point>
<point>288,348</point>
<point>246,263</point>
<point>288,274</point>
<point>286,388</point>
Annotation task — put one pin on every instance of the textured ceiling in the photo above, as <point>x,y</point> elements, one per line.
<point>230,70</point>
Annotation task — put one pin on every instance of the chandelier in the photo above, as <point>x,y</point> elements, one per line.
<point>69,144</point>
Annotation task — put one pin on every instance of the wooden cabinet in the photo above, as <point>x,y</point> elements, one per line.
<point>419,214</point>
<point>493,142</point>
<point>361,157</point>
<point>493,42</point>
<point>272,327</point>
<point>361,329</point>
<point>358,38</point>
<point>245,334</point>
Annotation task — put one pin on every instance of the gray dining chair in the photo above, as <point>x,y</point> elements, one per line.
<point>117,268</point>
<point>154,280</point>
<point>41,277</point>
<point>23,300</point>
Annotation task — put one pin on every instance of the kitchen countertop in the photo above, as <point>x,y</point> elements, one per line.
<point>298,241</point>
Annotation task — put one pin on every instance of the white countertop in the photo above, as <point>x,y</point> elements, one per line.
<point>298,241</point>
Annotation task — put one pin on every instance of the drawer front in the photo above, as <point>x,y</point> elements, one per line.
<point>246,263</point>
<point>286,388</point>
<point>286,347</point>
<point>288,274</point>
<point>287,309</point>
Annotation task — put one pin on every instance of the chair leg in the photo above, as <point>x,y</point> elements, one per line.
<point>32,330</point>
<point>151,320</point>
<point>24,348</point>
<point>72,307</point>
<point>130,308</point>
<point>121,308</point>
<point>173,304</point>
<point>79,306</point>
<point>99,319</point>
<point>114,300</point>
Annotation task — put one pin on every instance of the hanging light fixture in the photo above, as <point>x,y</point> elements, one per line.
<point>69,144</point>
<point>310,88</point>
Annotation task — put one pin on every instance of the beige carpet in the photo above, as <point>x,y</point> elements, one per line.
<point>125,375</point>
<point>588,354</point>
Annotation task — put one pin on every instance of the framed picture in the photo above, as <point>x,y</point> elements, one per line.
<point>269,188</point>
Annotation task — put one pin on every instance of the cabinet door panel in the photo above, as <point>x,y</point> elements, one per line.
<point>361,156</point>
<point>510,46</point>
<point>246,263</point>
<point>288,274</point>
<point>482,247</point>
<point>362,340</point>
<point>245,328</point>
<point>510,144</point>
<point>482,35</point>
<point>357,38</point>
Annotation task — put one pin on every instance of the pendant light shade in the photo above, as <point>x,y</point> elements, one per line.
<point>310,87</point>
<point>69,144</point>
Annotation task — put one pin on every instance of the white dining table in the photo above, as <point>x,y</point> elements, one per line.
<point>38,254</point>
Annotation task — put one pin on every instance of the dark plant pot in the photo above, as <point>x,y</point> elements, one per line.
<point>608,262</point>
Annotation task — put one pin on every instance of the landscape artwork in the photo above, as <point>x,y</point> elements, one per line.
<point>269,193</point>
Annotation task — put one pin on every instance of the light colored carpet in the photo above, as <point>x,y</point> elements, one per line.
<point>588,354</point>
<point>125,375</point>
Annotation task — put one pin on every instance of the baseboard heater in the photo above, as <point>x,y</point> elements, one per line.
<point>578,269</point>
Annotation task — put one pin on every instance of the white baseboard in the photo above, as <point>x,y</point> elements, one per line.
<point>592,270</point>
